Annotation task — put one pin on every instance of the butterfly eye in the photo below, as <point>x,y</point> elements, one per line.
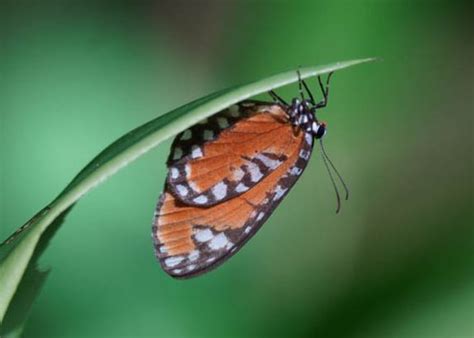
<point>320,130</point>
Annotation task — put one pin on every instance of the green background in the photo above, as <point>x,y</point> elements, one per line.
<point>396,262</point>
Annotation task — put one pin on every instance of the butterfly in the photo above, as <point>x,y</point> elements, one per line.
<point>228,173</point>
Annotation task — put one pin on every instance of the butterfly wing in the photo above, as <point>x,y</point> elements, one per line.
<point>229,153</point>
<point>191,240</point>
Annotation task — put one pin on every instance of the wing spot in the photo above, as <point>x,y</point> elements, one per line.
<point>309,137</point>
<point>241,187</point>
<point>295,171</point>
<point>219,191</point>
<point>194,187</point>
<point>193,255</point>
<point>269,163</point>
<point>238,174</point>
<point>187,170</point>
<point>222,122</point>
<point>178,153</point>
<point>177,271</point>
<point>255,173</point>
<point>191,267</point>
<point>203,235</point>
<point>279,191</point>
<point>201,199</point>
<point>208,135</point>
<point>218,242</point>
<point>196,152</point>
<point>260,216</point>
<point>234,111</point>
<point>247,229</point>
<point>187,134</point>
<point>304,154</point>
<point>182,190</point>
<point>174,173</point>
<point>173,261</point>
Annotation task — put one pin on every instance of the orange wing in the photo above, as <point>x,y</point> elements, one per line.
<point>190,240</point>
<point>229,153</point>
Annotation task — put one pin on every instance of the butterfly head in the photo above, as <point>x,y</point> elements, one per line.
<point>302,114</point>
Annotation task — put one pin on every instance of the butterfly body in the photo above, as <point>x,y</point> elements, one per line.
<point>226,175</point>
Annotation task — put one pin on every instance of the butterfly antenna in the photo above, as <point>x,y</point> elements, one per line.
<point>335,170</point>
<point>326,159</point>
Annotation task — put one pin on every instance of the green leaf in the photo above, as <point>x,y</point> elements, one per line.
<point>17,252</point>
<point>30,285</point>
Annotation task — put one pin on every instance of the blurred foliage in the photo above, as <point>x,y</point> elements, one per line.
<point>396,262</point>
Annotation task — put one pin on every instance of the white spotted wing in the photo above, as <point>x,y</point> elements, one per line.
<point>229,153</point>
<point>190,240</point>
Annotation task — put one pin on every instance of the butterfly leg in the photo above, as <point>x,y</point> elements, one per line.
<point>277,98</point>
<point>324,90</point>
<point>311,97</point>
<point>300,84</point>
